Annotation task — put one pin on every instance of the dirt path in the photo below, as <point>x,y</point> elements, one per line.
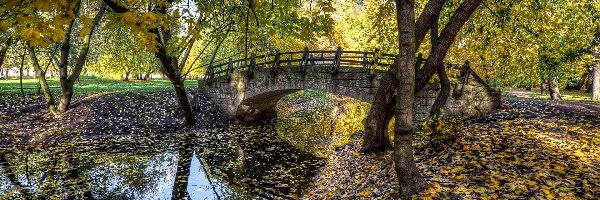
<point>520,94</point>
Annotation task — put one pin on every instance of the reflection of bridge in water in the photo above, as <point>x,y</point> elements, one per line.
<point>248,89</point>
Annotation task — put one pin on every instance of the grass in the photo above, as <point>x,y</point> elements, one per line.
<point>567,95</point>
<point>89,85</point>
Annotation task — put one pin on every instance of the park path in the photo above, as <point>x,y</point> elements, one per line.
<point>520,94</point>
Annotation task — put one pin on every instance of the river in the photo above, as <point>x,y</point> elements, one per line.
<point>266,160</point>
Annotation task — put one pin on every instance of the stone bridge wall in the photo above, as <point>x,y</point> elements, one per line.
<point>474,100</point>
<point>254,98</point>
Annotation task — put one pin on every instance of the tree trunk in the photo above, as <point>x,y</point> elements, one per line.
<point>442,96</point>
<point>147,76</point>
<point>63,67</point>
<point>42,79</point>
<point>376,138</point>
<point>430,14</point>
<point>126,76</point>
<point>409,178</point>
<point>543,87</point>
<point>596,78</point>
<point>169,63</point>
<point>67,82</point>
<point>554,90</point>
<point>459,18</point>
<point>582,80</point>
<point>21,73</point>
<point>3,51</point>
<point>447,37</point>
<point>184,104</point>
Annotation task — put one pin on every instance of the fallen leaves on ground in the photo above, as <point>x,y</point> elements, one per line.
<point>528,149</point>
<point>104,115</point>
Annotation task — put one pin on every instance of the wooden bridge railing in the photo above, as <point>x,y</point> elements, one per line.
<point>330,59</point>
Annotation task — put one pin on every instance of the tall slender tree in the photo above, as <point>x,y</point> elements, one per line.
<point>596,76</point>
<point>409,177</point>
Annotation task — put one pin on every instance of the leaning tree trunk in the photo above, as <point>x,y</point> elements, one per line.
<point>376,138</point>
<point>3,51</point>
<point>442,96</point>
<point>42,79</point>
<point>184,104</point>
<point>409,178</point>
<point>596,79</point>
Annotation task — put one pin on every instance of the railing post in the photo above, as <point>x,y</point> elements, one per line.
<point>250,73</point>
<point>321,59</point>
<point>464,78</point>
<point>365,60</point>
<point>229,70</point>
<point>335,67</point>
<point>371,67</point>
<point>466,72</point>
<point>418,63</point>
<point>305,57</point>
<point>208,76</point>
<point>275,64</point>
<point>289,62</point>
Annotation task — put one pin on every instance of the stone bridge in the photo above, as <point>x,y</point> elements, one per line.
<point>248,89</point>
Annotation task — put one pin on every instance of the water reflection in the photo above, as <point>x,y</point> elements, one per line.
<point>322,125</point>
<point>239,162</point>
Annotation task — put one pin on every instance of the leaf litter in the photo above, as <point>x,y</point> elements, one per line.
<point>529,149</point>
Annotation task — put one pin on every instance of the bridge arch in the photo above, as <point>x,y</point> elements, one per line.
<point>250,89</point>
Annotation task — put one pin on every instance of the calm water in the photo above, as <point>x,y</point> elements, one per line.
<point>240,162</point>
<point>274,159</point>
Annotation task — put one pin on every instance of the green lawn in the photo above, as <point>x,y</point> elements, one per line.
<point>89,85</point>
<point>567,95</point>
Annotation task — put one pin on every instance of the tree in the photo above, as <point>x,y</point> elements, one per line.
<point>596,77</point>
<point>409,178</point>
<point>170,32</point>
<point>68,80</point>
<point>435,59</point>
<point>508,39</point>
<point>3,50</point>
<point>40,23</point>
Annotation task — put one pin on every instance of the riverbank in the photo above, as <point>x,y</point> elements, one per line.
<point>24,120</point>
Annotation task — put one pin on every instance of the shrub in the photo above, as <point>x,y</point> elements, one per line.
<point>441,133</point>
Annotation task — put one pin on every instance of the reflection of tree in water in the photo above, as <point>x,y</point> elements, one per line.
<point>78,173</point>
<point>253,161</point>
<point>241,162</point>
